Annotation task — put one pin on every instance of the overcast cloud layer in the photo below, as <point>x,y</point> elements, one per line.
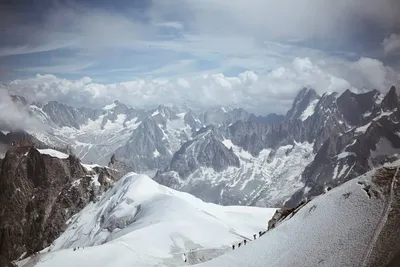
<point>254,54</point>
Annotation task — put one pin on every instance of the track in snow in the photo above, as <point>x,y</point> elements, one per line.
<point>381,223</point>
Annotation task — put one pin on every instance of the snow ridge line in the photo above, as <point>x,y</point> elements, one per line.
<point>381,223</point>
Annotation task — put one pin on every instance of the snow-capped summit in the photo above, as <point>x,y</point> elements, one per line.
<point>303,105</point>
<point>141,223</point>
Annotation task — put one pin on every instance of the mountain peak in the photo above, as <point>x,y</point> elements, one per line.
<point>391,100</point>
<point>305,99</point>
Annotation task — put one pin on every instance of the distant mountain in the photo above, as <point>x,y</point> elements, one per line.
<point>322,142</point>
<point>222,155</point>
<point>94,135</point>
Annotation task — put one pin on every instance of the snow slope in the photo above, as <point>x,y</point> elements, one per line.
<point>53,153</point>
<point>141,223</point>
<point>309,111</point>
<point>339,228</point>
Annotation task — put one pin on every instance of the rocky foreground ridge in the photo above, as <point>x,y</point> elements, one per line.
<point>40,189</point>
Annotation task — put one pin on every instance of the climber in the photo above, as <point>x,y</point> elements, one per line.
<point>239,245</point>
<point>245,241</point>
<point>184,257</point>
<point>255,236</point>
<point>259,234</point>
<point>233,247</point>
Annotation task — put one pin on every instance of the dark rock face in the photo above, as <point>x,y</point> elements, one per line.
<point>146,142</point>
<point>38,194</point>
<point>369,142</point>
<point>269,119</point>
<point>205,151</point>
<point>350,133</point>
<point>18,138</point>
<point>63,115</point>
<point>391,100</point>
<point>301,102</point>
<point>353,106</point>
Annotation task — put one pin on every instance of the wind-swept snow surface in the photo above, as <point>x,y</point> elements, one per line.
<point>141,223</point>
<point>355,224</point>
<point>53,153</point>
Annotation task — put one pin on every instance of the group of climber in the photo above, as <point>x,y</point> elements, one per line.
<point>260,234</point>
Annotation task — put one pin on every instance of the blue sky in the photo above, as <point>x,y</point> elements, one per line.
<point>329,45</point>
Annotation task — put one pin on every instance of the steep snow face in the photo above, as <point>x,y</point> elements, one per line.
<point>177,132</point>
<point>53,153</point>
<point>303,105</point>
<point>266,180</point>
<point>309,111</point>
<point>141,223</point>
<point>348,226</point>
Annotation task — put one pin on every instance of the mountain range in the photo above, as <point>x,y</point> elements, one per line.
<point>49,199</point>
<point>230,156</point>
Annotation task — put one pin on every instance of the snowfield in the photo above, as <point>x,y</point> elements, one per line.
<point>339,228</point>
<point>53,153</point>
<point>150,225</point>
<point>142,223</point>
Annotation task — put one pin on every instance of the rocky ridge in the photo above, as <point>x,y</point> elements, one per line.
<point>39,191</point>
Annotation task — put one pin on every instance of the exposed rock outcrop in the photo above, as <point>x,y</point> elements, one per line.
<point>39,193</point>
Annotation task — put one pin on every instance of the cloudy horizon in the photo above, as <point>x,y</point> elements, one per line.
<point>253,54</point>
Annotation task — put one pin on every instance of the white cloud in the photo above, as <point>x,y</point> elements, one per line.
<point>391,44</point>
<point>277,20</point>
<point>15,116</point>
<point>272,91</point>
<point>232,32</point>
<point>191,42</point>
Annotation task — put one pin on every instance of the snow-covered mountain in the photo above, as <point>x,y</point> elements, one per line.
<point>142,223</point>
<point>216,170</point>
<point>322,142</point>
<point>144,139</point>
<point>355,224</point>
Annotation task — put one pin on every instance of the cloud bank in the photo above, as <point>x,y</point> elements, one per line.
<point>261,93</point>
<point>14,116</point>
<point>253,54</point>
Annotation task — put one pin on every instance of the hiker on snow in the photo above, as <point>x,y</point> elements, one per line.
<point>233,247</point>
<point>255,236</point>
<point>245,241</point>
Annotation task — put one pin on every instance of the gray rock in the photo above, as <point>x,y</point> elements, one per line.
<point>38,194</point>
